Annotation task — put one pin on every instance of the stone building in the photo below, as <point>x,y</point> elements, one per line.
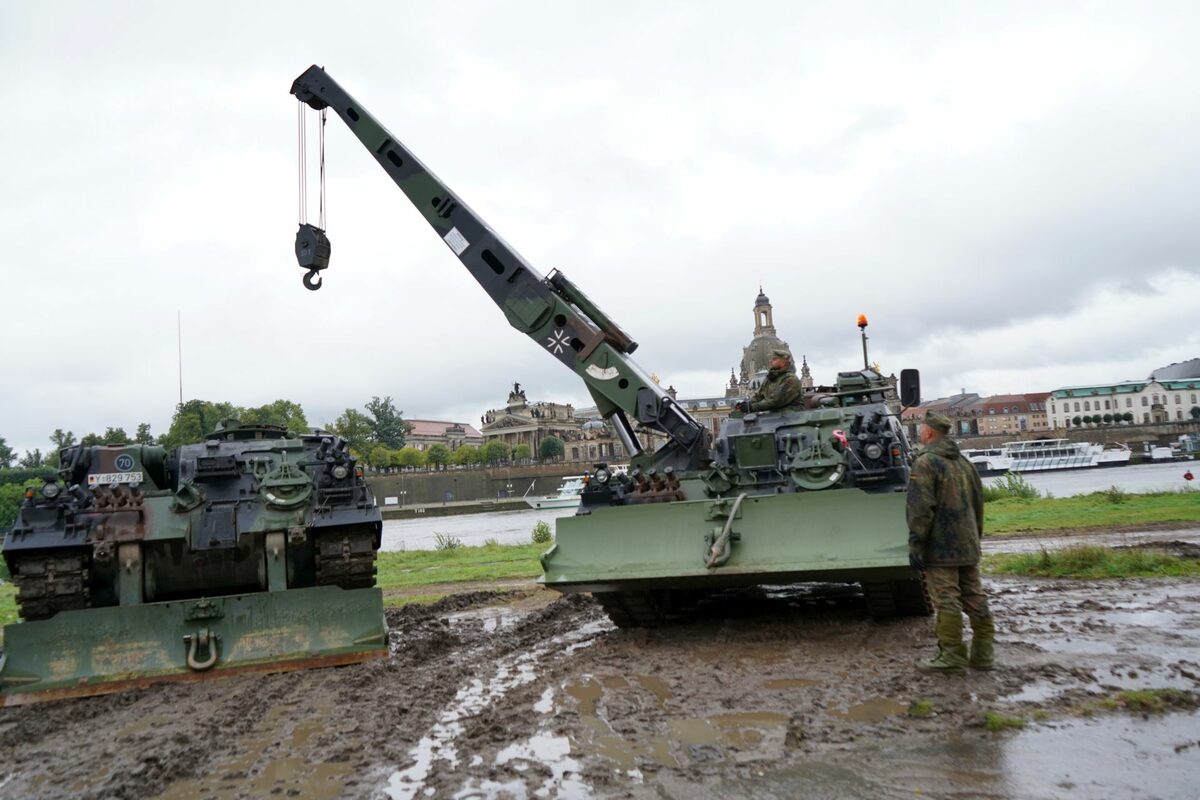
<point>422,433</point>
<point>522,422</point>
<point>756,356</point>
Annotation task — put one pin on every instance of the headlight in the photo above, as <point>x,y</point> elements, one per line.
<point>50,490</point>
<point>873,451</point>
<point>601,476</point>
<point>340,471</point>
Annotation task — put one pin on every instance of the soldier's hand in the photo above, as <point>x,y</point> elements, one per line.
<point>916,562</point>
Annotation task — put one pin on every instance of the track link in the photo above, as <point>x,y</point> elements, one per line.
<point>346,558</point>
<point>631,609</point>
<point>900,598</point>
<point>49,583</point>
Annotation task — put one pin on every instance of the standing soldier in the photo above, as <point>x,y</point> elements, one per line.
<point>945,526</point>
<point>780,390</point>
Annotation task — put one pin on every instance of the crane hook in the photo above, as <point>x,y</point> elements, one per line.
<point>312,279</point>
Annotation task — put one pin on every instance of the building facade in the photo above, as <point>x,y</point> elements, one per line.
<point>1135,402</point>
<point>522,422</point>
<point>423,433</point>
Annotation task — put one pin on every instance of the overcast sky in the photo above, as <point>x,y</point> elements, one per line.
<point>1009,191</point>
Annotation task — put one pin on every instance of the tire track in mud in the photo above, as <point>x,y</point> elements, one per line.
<point>516,694</point>
<point>319,733</point>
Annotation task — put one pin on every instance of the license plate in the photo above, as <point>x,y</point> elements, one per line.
<point>106,478</point>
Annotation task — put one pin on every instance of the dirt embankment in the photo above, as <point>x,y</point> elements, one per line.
<point>519,695</point>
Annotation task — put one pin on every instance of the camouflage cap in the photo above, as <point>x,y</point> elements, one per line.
<point>938,421</point>
<point>784,354</point>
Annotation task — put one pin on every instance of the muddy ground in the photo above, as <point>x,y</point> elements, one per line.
<point>789,693</point>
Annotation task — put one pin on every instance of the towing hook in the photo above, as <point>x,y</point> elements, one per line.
<point>312,279</point>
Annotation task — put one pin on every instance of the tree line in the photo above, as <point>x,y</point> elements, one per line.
<point>438,456</point>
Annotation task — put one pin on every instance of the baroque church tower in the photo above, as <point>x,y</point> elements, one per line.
<point>756,356</point>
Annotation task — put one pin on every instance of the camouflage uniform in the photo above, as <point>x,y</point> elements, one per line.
<point>781,388</point>
<point>945,523</point>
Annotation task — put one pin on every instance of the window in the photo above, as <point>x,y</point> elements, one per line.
<point>1145,402</point>
<point>1106,406</point>
<point>1155,400</point>
<point>1176,399</point>
<point>1193,399</point>
<point>1129,402</point>
<point>1006,409</point>
<point>991,411</point>
<point>1087,406</point>
<point>1179,413</point>
<point>1145,415</point>
<point>1052,408</point>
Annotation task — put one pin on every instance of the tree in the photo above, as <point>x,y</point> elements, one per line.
<point>387,422</point>
<point>284,413</point>
<point>1128,416</point>
<point>1195,412</point>
<point>552,447</point>
<point>11,495</point>
<point>7,455</point>
<point>1077,421</point>
<point>143,435</point>
<point>195,419</point>
<point>60,439</point>
<point>522,452</point>
<point>355,428</point>
<point>410,457</point>
<point>466,455</point>
<point>116,436</point>
<point>380,457</point>
<point>494,452</point>
<point>438,455</point>
<point>1108,418</point>
<point>32,459</point>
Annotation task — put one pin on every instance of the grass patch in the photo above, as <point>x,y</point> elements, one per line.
<point>920,709</point>
<point>401,600</point>
<point>1096,510</point>
<point>8,606</point>
<point>422,567</point>
<point>1091,562</point>
<point>542,534</point>
<point>995,722</point>
<point>1142,701</point>
<point>1010,484</point>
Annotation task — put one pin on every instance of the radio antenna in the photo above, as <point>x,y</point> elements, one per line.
<point>179,347</point>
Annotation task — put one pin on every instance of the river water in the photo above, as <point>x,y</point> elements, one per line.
<point>516,527</point>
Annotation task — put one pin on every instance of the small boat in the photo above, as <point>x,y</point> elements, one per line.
<point>1045,455</point>
<point>567,496</point>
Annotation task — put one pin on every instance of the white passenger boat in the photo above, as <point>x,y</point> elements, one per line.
<point>1044,455</point>
<point>567,496</point>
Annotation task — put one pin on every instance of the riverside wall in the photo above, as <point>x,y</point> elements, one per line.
<point>488,483</point>
<point>1132,435</point>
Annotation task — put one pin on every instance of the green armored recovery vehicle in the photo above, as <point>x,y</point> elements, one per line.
<point>809,493</point>
<point>253,550</point>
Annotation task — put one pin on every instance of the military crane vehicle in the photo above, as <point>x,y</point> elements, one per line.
<point>252,551</point>
<point>812,493</point>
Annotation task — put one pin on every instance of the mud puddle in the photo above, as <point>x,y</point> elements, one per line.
<point>787,692</point>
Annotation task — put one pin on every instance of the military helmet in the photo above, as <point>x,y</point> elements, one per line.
<point>938,422</point>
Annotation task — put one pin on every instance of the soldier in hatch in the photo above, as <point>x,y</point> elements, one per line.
<point>945,524</point>
<point>780,390</point>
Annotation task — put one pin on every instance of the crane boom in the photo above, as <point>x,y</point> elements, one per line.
<point>548,309</point>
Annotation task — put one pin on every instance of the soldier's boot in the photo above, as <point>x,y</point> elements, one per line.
<point>983,642</point>
<point>952,653</point>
